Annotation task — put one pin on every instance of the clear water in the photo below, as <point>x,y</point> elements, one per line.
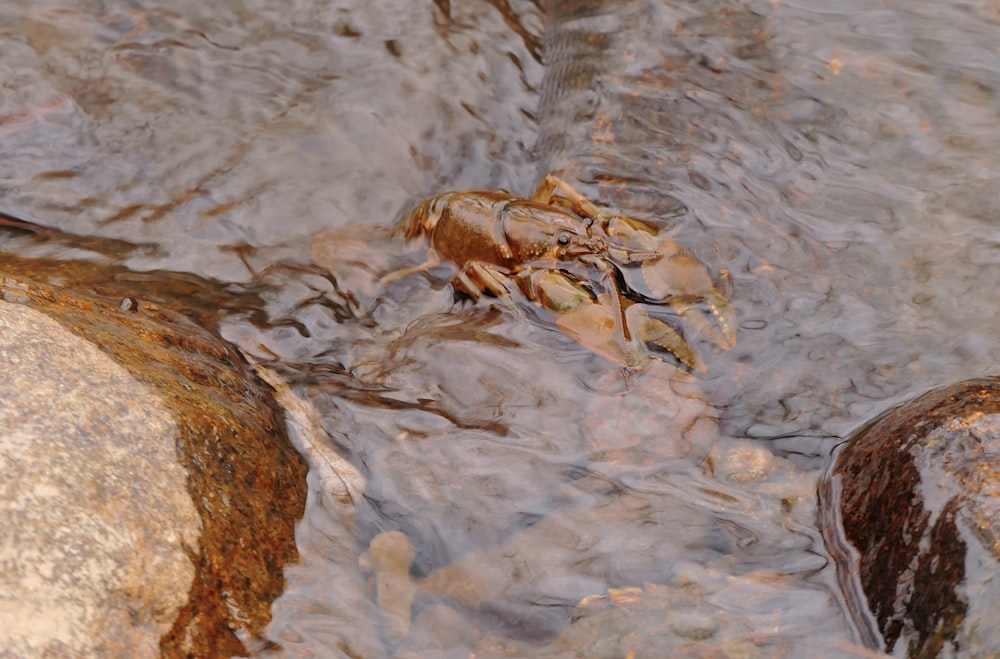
<point>841,170</point>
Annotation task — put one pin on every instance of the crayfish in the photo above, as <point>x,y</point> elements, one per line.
<point>569,256</point>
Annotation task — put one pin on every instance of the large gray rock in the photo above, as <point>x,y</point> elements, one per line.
<point>87,454</point>
<point>149,492</point>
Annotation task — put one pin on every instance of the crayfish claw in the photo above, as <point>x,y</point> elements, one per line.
<point>700,314</point>
<point>655,332</point>
<point>725,315</point>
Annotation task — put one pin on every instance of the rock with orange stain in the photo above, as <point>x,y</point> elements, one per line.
<point>149,492</point>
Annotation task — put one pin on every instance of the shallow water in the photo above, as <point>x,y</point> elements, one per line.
<point>837,162</point>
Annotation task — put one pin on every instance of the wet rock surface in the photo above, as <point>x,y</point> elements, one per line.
<point>80,555</point>
<point>150,492</point>
<point>918,492</point>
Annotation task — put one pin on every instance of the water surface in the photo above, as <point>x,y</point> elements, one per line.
<point>838,162</point>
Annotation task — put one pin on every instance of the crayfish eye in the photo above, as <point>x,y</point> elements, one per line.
<point>563,239</point>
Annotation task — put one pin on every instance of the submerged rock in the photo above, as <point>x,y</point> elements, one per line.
<point>917,542</point>
<point>149,490</point>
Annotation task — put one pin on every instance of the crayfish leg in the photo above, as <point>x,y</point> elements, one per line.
<point>395,276</point>
<point>477,278</point>
<point>552,289</point>
<point>583,206</point>
<point>546,189</point>
<point>721,332</point>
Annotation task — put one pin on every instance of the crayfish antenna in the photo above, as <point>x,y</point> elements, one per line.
<point>626,256</point>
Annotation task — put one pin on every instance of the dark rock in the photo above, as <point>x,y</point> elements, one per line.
<point>918,494</point>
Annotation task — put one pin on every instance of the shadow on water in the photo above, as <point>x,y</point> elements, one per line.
<point>836,162</point>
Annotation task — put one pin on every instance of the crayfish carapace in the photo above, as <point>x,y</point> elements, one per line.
<point>566,254</point>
